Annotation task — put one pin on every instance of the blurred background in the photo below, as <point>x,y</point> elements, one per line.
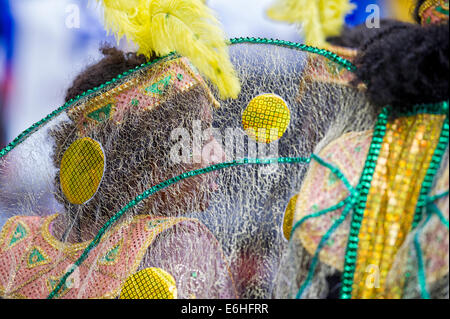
<point>44,44</point>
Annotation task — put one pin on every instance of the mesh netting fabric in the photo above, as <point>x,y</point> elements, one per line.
<point>219,234</point>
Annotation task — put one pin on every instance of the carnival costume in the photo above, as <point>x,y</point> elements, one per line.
<point>148,207</point>
<point>373,208</point>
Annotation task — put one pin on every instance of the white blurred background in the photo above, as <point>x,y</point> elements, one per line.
<point>51,47</point>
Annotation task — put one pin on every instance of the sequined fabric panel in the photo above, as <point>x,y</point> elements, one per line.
<point>323,189</point>
<point>404,158</point>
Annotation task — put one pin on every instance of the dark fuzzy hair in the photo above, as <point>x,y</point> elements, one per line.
<point>114,62</point>
<point>355,37</point>
<point>406,65</point>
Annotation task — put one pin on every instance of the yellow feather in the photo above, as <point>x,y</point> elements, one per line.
<point>188,27</point>
<point>319,18</point>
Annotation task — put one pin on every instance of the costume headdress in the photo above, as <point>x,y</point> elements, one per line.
<point>434,12</point>
<point>319,19</point>
<point>188,27</point>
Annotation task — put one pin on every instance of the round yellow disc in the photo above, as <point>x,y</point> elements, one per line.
<point>266,118</point>
<point>149,283</point>
<point>289,217</point>
<point>81,170</point>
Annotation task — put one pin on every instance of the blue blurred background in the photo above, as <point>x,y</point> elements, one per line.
<point>44,44</point>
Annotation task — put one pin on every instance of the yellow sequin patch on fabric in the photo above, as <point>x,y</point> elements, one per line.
<point>81,170</point>
<point>289,217</point>
<point>149,283</point>
<point>406,152</point>
<point>266,118</point>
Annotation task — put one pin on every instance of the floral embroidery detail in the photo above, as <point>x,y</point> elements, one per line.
<point>159,87</point>
<point>101,114</point>
<point>112,255</point>
<point>19,234</point>
<point>37,257</point>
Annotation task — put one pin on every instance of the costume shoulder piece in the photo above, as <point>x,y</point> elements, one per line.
<point>40,260</point>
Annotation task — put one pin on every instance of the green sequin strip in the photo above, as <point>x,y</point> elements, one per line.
<point>299,46</point>
<point>361,199</point>
<point>165,184</point>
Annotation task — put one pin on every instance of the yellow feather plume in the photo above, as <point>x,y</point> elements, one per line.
<point>319,18</point>
<point>188,27</point>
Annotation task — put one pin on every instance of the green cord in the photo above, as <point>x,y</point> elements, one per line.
<point>421,269</point>
<point>318,214</point>
<point>292,45</point>
<point>437,196</point>
<point>322,242</point>
<point>437,211</point>
<point>420,263</point>
<point>26,133</point>
<point>336,171</point>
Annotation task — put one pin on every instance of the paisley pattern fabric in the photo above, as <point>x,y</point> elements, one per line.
<point>384,259</point>
<point>40,260</point>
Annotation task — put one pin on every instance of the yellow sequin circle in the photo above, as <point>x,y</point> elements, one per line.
<point>81,170</point>
<point>149,283</point>
<point>289,217</point>
<point>266,118</point>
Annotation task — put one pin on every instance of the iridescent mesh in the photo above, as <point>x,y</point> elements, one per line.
<point>219,234</point>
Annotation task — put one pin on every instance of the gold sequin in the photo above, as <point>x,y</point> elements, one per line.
<point>289,217</point>
<point>81,171</point>
<point>150,283</point>
<point>266,118</point>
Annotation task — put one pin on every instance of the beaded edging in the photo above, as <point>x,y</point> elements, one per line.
<point>299,46</point>
<point>360,203</point>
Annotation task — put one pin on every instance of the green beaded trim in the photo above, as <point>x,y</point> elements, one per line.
<point>25,134</point>
<point>361,199</point>
<point>292,45</point>
<point>366,178</point>
<point>156,188</point>
<point>299,46</point>
<point>431,172</point>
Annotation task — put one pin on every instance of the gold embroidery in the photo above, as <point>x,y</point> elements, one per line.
<point>37,257</point>
<point>112,255</point>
